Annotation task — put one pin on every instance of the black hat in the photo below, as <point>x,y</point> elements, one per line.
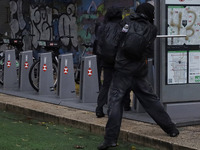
<point>146,9</point>
<point>113,13</point>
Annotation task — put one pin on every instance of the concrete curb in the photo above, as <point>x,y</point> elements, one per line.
<point>93,126</point>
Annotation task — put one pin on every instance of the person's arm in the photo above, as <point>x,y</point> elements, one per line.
<point>150,48</point>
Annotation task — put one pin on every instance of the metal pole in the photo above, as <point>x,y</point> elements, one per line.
<point>157,48</point>
<point>170,36</point>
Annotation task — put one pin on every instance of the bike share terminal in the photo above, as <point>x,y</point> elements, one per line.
<point>177,58</point>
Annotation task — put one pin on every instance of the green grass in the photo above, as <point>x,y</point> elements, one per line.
<point>17,132</point>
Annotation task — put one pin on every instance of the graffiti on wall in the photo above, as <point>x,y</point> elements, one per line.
<point>44,22</point>
<point>41,19</point>
<point>90,12</point>
<point>70,21</point>
<point>67,26</point>
<point>17,23</point>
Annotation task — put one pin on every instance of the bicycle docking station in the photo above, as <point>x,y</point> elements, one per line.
<point>66,84</point>
<point>89,88</point>
<point>26,61</point>
<point>46,74</point>
<point>10,71</point>
<point>65,93</point>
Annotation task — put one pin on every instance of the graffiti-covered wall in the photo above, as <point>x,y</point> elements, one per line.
<point>70,21</point>
<point>44,20</point>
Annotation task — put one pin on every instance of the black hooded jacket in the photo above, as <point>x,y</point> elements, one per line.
<point>110,28</point>
<point>132,66</point>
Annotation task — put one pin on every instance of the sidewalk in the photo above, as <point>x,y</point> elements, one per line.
<point>137,132</point>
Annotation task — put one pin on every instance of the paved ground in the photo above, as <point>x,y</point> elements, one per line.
<point>138,132</point>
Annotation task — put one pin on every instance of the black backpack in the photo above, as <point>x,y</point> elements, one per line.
<point>108,42</point>
<point>138,38</point>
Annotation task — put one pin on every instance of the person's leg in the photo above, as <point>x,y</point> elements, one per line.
<point>127,101</point>
<point>118,88</point>
<point>151,103</point>
<point>99,69</point>
<point>103,94</point>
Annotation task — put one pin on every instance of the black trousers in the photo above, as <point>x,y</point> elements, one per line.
<point>143,90</point>
<point>103,94</point>
<point>99,69</point>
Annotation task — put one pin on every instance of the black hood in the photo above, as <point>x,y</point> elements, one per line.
<point>135,16</point>
<point>147,10</point>
<point>113,14</point>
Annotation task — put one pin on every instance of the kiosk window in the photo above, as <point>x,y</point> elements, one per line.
<point>177,67</point>
<point>183,54</point>
<point>194,66</point>
<point>184,20</point>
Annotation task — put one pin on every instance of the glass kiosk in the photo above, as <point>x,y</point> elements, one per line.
<point>177,58</point>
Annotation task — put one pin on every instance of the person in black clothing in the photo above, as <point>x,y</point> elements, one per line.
<point>132,74</point>
<point>96,47</point>
<point>113,17</point>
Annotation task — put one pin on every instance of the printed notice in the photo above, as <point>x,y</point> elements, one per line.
<point>177,67</point>
<point>194,66</point>
<point>184,20</point>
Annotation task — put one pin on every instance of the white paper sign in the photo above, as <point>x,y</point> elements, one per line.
<point>177,67</point>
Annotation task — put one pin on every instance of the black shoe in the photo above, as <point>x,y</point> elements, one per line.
<point>174,133</point>
<point>99,112</point>
<point>105,145</point>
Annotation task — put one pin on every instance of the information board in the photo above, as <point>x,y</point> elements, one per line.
<point>184,20</point>
<point>194,66</point>
<point>183,54</point>
<point>177,67</point>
